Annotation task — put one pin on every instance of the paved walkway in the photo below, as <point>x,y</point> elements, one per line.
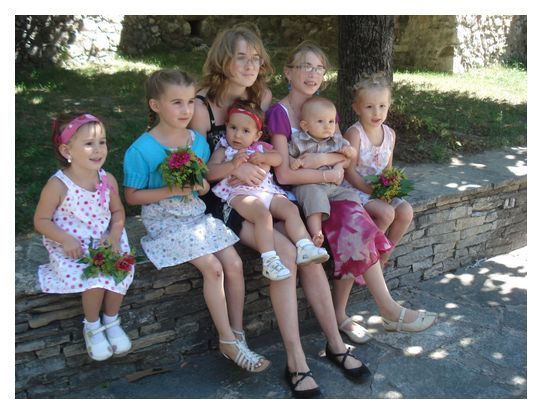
<point>478,349</point>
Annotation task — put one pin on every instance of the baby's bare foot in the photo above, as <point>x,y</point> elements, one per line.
<point>318,239</point>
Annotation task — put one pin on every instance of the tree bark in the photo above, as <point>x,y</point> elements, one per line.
<point>365,46</point>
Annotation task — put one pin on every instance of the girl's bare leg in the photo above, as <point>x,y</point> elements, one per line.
<point>112,302</point>
<point>284,301</point>
<point>234,285</point>
<point>376,284</point>
<point>253,210</point>
<point>213,293</point>
<point>286,211</point>
<point>316,288</point>
<point>92,300</point>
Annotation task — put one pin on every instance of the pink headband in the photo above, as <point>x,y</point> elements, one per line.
<point>255,117</point>
<point>74,125</point>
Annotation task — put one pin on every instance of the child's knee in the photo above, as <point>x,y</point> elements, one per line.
<point>404,212</point>
<point>384,215</point>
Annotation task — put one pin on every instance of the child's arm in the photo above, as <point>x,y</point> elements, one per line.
<point>51,197</point>
<point>118,216</point>
<point>218,169</point>
<point>269,157</point>
<point>390,162</point>
<point>350,173</point>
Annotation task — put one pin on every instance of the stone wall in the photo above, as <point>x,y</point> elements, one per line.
<point>441,43</point>
<point>165,315</point>
<point>66,40</point>
<point>485,40</point>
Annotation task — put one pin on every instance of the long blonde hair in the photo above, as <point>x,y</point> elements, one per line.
<point>216,69</point>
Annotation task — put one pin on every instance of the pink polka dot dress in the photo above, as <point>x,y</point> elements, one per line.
<point>85,215</point>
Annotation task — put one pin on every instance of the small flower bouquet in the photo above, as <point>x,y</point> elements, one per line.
<point>104,260</point>
<point>182,168</point>
<point>392,182</point>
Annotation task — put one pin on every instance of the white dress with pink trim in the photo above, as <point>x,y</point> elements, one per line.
<point>85,215</point>
<point>226,192</point>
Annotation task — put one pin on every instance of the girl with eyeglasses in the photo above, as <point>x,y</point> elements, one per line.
<point>229,73</point>
<point>356,243</point>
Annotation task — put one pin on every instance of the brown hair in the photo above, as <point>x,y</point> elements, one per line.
<point>375,80</point>
<point>156,84</point>
<point>296,56</point>
<point>216,69</point>
<point>60,122</point>
<point>248,106</point>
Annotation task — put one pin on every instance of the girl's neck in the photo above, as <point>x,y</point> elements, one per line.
<point>375,134</point>
<point>83,177</point>
<point>232,93</point>
<point>171,137</point>
<point>295,101</point>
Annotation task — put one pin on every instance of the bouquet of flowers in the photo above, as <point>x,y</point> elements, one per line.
<point>392,182</point>
<point>182,168</point>
<point>104,260</point>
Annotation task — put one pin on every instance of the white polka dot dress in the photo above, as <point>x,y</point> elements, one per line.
<point>85,215</point>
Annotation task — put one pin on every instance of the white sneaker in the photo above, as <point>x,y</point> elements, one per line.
<point>272,268</point>
<point>120,342</point>
<point>311,254</point>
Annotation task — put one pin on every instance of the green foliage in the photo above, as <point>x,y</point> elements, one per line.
<point>182,168</point>
<point>434,115</point>
<point>104,260</point>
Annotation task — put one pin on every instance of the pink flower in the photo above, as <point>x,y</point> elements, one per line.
<point>385,181</point>
<point>177,160</point>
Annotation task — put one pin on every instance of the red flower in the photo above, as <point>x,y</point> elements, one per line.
<point>129,258</point>
<point>98,259</point>
<point>124,264</point>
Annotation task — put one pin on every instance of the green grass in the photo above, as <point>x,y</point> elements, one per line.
<point>434,114</point>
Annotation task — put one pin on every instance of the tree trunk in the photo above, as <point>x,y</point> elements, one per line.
<point>365,46</point>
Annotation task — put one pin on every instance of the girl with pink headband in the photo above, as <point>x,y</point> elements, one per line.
<point>259,204</point>
<point>80,208</point>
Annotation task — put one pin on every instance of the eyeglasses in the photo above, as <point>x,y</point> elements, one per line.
<point>242,60</point>
<point>307,67</point>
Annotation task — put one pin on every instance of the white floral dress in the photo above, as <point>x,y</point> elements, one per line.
<point>226,192</point>
<point>178,231</point>
<point>85,215</point>
<point>372,159</point>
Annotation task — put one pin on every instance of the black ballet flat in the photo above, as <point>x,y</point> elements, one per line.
<point>310,393</point>
<point>359,374</point>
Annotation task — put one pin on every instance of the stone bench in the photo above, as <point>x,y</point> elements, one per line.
<point>474,207</point>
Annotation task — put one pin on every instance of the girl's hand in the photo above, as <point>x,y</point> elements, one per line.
<point>248,174</point>
<point>296,163</point>
<point>111,240</point>
<point>203,189</point>
<point>240,158</point>
<point>72,247</point>
<point>257,158</point>
<point>335,176</point>
<point>348,152</point>
<point>315,161</point>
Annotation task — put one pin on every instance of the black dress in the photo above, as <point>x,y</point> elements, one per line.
<point>215,205</point>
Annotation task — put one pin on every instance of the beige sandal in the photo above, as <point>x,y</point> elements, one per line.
<point>359,335</point>
<point>245,358</point>
<point>421,323</point>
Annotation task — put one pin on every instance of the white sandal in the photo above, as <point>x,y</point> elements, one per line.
<point>120,344</point>
<point>245,358</point>
<point>240,335</point>
<point>99,351</point>
<point>421,323</point>
<point>359,335</point>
